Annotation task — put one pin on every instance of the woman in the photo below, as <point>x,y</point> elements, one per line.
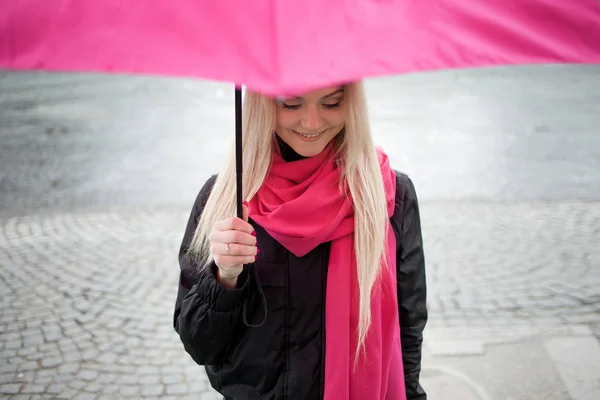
<point>319,291</point>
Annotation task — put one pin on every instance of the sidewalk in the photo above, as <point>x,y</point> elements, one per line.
<point>559,363</point>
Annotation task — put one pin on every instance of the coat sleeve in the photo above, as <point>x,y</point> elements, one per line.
<point>412,286</point>
<point>206,313</point>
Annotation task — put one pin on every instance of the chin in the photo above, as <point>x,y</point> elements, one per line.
<point>309,151</point>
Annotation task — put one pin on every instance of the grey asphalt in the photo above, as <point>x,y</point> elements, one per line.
<point>98,174</point>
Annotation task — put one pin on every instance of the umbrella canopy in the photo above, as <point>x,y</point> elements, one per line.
<point>289,47</point>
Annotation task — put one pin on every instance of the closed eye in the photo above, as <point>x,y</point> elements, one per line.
<point>297,106</point>
<point>330,106</point>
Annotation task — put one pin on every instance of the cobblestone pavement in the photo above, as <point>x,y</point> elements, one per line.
<point>97,177</point>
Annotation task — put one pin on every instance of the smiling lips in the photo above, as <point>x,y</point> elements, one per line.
<point>310,136</point>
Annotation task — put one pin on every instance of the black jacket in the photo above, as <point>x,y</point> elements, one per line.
<point>281,357</point>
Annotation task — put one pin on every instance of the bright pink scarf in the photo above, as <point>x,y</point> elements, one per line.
<point>300,205</point>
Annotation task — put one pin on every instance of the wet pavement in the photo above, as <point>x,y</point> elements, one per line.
<point>98,174</point>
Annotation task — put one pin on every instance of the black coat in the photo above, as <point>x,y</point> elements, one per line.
<point>282,357</point>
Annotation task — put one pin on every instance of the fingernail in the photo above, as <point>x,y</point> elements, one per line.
<point>245,203</point>
<point>257,250</point>
<point>254,258</point>
<point>253,233</point>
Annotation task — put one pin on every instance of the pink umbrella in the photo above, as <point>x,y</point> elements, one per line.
<point>289,47</point>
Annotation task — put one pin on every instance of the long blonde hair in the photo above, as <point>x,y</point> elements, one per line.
<point>361,176</point>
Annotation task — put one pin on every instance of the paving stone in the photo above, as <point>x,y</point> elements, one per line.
<point>63,377</point>
<point>55,389</point>
<point>199,386</point>
<point>32,388</point>
<point>88,375</point>
<point>25,376</point>
<point>72,357</point>
<point>22,397</point>
<point>107,358</point>
<point>85,396</point>
<point>107,378</point>
<point>90,355</point>
<point>129,391</point>
<point>7,377</point>
<point>152,390</point>
<point>26,351</point>
<point>111,389</point>
<point>8,368</point>
<point>10,388</point>
<point>210,396</point>
<point>67,369</point>
<point>148,370</point>
<point>13,344</point>
<point>150,379</point>
<point>29,341</point>
<point>9,354</point>
<point>173,378</point>
<point>77,384</point>
<point>9,337</point>
<point>128,379</point>
<point>50,362</point>
<point>177,389</point>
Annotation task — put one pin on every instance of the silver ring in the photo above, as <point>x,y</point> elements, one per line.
<point>227,248</point>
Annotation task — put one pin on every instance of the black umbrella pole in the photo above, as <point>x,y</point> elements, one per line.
<point>238,150</point>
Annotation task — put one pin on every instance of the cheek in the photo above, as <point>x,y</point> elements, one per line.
<point>285,120</point>
<point>338,119</point>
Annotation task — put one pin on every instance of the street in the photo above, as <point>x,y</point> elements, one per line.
<point>98,175</point>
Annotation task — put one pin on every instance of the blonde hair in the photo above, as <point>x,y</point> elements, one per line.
<point>361,176</point>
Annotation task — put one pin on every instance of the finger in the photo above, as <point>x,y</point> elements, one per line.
<point>233,249</point>
<point>235,224</point>
<point>232,237</point>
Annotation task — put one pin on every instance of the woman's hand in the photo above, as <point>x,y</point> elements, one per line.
<point>232,244</point>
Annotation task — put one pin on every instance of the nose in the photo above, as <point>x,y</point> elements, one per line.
<point>312,118</point>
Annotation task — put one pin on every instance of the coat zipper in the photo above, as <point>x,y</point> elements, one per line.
<point>323,332</point>
<point>287,325</point>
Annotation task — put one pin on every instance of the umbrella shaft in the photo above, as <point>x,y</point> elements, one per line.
<point>238,149</point>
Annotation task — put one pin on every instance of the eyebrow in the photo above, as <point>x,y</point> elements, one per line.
<point>337,91</point>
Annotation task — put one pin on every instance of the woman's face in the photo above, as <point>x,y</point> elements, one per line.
<point>308,123</point>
